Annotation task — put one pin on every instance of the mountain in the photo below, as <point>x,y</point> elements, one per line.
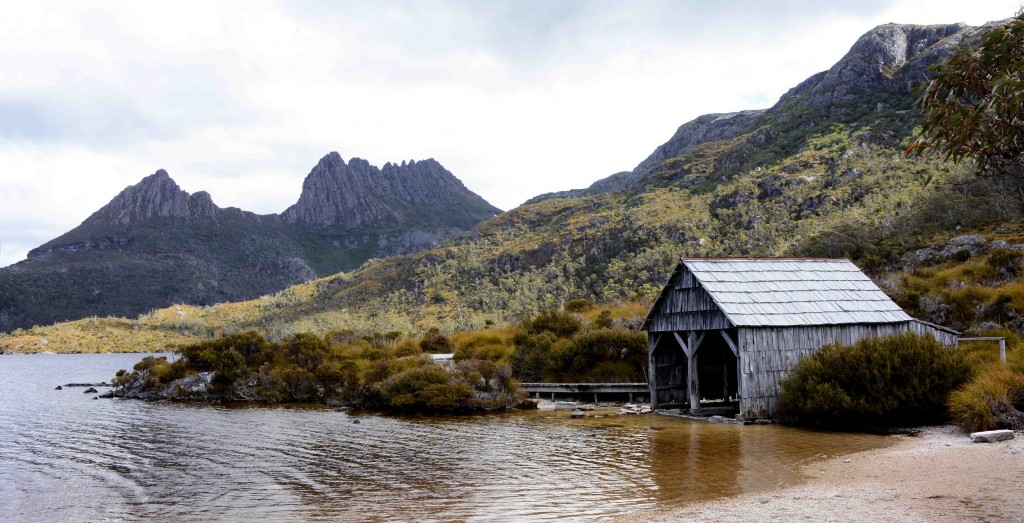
<point>154,244</point>
<point>411,194</point>
<point>876,76</point>
<point>820,173</point>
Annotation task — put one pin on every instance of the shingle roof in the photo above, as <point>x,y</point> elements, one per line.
<point>788,292</point>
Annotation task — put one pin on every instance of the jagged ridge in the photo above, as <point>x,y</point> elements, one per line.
<point>155,244</point>
<point>358,194</point>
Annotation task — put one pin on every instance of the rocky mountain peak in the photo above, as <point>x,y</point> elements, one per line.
<point>893,45</point>
<point>156,196</point>
<point>358,194</point>
<point>888,58</point>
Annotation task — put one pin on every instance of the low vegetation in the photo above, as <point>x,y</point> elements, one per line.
<point>895,381</point>
<point>339,369</point>
<point>384,371</point>
<point>994,398</point>
<point>556,347</point>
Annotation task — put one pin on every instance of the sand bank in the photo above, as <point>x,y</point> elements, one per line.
<point>938,475</point>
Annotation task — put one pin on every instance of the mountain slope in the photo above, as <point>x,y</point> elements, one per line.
<point>876,76</point>
<point>821,173</point>
<point>154,244</point>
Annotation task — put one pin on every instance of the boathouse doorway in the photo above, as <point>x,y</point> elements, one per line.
<point>669,372</point>
<point>717,371</point>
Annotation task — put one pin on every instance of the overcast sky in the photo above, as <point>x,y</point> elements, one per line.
<point>515,98</point>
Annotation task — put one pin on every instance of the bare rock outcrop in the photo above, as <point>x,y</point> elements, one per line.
<point>357,194</point>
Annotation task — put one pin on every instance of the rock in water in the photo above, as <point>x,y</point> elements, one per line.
<point>579,414</point>
<point>991,436</point>
<point>90,390</point>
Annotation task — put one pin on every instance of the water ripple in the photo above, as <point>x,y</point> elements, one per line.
<point>67,457</point>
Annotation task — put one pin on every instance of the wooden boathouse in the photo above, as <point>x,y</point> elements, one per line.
<point>725,331</point>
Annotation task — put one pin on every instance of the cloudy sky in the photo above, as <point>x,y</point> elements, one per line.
<point>516,98</point>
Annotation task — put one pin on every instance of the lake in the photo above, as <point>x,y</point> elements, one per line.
<point>65,456</point>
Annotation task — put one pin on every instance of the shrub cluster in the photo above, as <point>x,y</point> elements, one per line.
<point>555,346</point>
<point>488,345</point>
<point>897,380</point>
<point>435,342</point>
<point>372,372</point>
<point>154,371</point>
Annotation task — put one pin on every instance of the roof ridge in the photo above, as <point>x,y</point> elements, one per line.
<point>761,258</point>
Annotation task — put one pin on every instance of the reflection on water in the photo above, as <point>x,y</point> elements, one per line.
<point>65,456</point>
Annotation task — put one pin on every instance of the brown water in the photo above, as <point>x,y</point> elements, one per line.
<point>67,457</point>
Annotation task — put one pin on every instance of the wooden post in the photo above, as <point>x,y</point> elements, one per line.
<point>652,369</point>
<point>691,379</point>
<point>692,376</point>
<point>725,382</point>
<point>1002,351</point>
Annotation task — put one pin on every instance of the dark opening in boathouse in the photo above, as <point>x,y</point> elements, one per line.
<point>725,331</point>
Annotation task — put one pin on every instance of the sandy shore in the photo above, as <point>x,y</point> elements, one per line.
<point>936,476</point>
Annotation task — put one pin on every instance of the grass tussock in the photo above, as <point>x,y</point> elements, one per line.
<point>992,400</point>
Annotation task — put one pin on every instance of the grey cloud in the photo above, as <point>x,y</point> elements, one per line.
<point>97,122</point>
<point>101,118</point>
<point>536,36</point>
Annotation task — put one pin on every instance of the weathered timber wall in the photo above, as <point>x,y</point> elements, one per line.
<point>687,306</point>
<point>945,336</point>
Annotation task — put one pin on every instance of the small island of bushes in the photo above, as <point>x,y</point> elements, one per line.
<point>386,372</point>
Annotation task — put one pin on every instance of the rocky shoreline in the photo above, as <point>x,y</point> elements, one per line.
<point>191,388</point>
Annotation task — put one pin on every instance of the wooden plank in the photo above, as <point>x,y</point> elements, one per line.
<point>730,343</point>
<point>652,345</point>
<point>695,340</point>
<point>682,344</point>
<point>693,387</point>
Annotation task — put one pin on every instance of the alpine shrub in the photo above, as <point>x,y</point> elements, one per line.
<point>892,381</point>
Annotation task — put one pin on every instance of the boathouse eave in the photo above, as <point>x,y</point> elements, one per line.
<point>937,327</point>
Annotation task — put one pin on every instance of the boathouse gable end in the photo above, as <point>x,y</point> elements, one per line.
<point>684,305</point>
<point>724,332</point>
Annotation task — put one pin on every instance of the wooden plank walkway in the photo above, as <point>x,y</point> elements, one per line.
<point>588,390</point>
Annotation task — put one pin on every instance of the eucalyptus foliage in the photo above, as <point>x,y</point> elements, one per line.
<point>974,105</point>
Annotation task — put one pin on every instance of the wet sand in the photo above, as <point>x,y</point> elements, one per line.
<point>938,475</point>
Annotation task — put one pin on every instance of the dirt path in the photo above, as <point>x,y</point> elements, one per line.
<point>936,476</point>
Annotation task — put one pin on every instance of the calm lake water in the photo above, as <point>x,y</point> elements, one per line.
<point>67,457</point>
